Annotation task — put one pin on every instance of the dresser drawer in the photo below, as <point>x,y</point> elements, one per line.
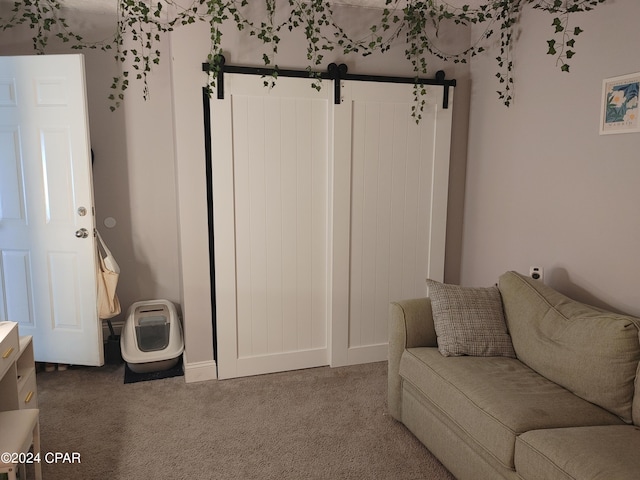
<point>28,394</point>
<point>9,346</point>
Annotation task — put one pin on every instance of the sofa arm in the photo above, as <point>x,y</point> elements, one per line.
<point>410,325</point>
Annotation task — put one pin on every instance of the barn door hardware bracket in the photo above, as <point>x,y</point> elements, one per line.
<point>334,72</point>
<point>337,73</point>
<point>220,67</point>
<point>217,65</point>
<point>220,77</point>
<point>445,87</point>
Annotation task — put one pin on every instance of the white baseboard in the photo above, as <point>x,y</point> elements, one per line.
<point>200,371</point>
<point>367,354</point>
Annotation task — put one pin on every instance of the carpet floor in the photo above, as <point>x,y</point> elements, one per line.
<point>320,423</point>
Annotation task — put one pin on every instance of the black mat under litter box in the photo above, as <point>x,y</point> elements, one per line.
<point>132,377</point>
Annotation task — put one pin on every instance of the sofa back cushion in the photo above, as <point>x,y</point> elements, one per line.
<point>589,351</point>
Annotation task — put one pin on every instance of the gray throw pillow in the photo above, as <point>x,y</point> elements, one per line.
<point>469,321</point>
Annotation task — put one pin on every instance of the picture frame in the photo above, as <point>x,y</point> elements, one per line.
<point>619,108</point>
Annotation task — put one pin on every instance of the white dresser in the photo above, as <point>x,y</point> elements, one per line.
<point>17,369</point>
<point>19,423</point>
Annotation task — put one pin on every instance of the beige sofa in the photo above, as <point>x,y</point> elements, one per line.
<point>568,407</point>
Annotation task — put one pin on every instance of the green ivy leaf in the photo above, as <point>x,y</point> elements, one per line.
<point>552,50</point>
<point>557,23</point>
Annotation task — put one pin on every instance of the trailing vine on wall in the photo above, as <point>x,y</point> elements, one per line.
<point>140,25</point>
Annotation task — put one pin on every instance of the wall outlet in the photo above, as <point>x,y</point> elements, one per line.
<point>537,273</point>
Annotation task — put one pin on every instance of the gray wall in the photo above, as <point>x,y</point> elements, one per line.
<point>543,187</point>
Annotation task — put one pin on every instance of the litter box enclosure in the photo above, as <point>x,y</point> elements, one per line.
<point>151,339</point>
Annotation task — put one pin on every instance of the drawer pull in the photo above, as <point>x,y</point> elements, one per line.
<point>28,397</point>
<point>7,353</point>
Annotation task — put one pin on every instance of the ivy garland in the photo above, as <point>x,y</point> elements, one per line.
<point>142,23</point>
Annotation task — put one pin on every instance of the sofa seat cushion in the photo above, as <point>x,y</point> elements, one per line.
<point>583,453</point>
<point>494,399</point>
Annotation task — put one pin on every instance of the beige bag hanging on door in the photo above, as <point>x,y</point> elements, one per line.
<point>108,273</point>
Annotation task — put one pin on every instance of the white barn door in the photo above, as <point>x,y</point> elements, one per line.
<point>270,152</point>
<point>323,214</point>
<point>389,209</point>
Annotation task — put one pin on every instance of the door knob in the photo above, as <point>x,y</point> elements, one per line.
<point>82,233</point>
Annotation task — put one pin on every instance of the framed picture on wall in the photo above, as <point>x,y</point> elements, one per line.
<point>619,112</point>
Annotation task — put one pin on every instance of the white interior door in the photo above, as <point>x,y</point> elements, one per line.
<point>270,193</point>
<point>390,189</point>
<point>47,273</point>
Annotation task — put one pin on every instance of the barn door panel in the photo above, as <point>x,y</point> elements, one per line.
<point>270,167</point>
<point>390,205</point>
